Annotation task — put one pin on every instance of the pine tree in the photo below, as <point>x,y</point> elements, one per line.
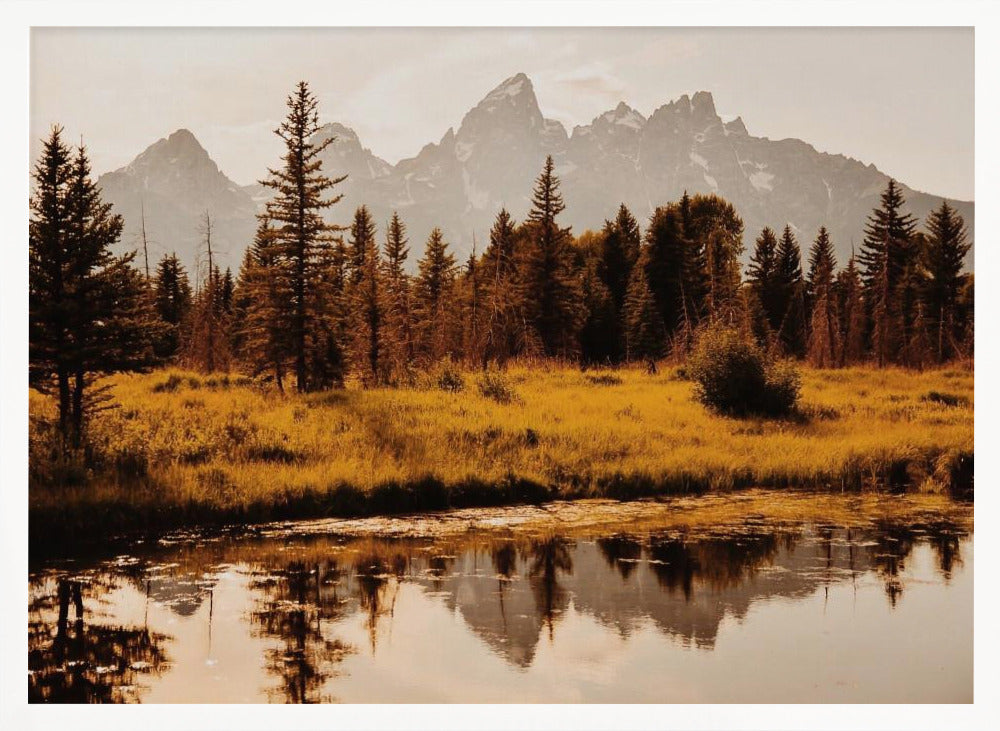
<point>474,317</point>
<point>944,255</point>
<point>550,288</point>
<point>713,232</point>
<point>665,263</point>
<point>824,333</point>
<point>791,289</point>
<point>433,298</point>
<point>362,232</point>
<point>263,342</point>
<point>226,287</point>
<point>620,243</point>
<point>398,309</point>
<point>207,347</point>
<point>763,277</point>
<point>602,337</point>
<point>304,251</point>
<point>645,335</point>
<point>89,312</point>
<point>367,299</point>
<point>619,253</point>
<point>172,298</point>
<point>885,258</point>
<point>852,314</point>
<point>505,312</point>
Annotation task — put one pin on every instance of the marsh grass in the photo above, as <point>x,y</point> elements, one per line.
<point>182,448</point>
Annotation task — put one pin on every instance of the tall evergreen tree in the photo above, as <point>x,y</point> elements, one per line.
<point>714,235</point>
<point>207,346</point>
<point>602,336</point>
<point>89,311</point>
<point>226,287</point>
<point>367,299</point>
<point>822,261</point>
<point>619,253</point>
<point>824,332</point>
<point>645,335</point>
<point>665,263</point>
<point>172,298</point>
<point>473,309</point>
<point>550,288</point>
<point>304,252</point>
<point>946,247</point>
<point>886,255</point>
<point>791,288</point>
<point>399,311</point>
<point>851,309</point>
<point>764,279</point>
<point>262,339</point>
<point>362,233</point>
<point>504,308</point>
<point>433,298</point>
<point>620,243</point>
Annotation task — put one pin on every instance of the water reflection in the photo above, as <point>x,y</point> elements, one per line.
<point>319,607</point>
<point>84,662</point>
<point>292,605</point>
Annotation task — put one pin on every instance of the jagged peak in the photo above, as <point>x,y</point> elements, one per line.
<point>624,115</point>
<point>516,85</point>
<point>179,145</point>
<point>703,105</point>
<point>736,126</point>
<point>183,135</point>
<point>180,140</point>
<point>338,130</point>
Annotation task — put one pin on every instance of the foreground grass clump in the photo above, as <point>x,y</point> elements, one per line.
<point>185,448</point>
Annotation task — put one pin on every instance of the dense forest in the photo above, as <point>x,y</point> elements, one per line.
<point>313,305</point>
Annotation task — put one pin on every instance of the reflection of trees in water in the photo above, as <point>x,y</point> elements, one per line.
<point>296,601</point>
<point>895,543</point>
<point>86,663</point>
<point>718,563</point>
<point>946,547</point>
<point>74,661</point>
<point>372,573</point>
<point>504,558</point>
<point>621,552</point>
<point>439,566</point>
<point>548,557</point>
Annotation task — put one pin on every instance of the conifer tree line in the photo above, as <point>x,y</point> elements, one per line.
<point>314,304</point>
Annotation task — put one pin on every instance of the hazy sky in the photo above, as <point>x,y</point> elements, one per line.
<point>900,98</point>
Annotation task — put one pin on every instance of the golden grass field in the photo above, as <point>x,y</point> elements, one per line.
<point>184,447</point>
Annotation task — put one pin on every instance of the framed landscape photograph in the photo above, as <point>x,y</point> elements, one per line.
<point>559,367</point>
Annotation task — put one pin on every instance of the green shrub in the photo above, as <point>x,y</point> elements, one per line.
<point>496,386</point>
<point>449,378</point>
<point>604,379</point>
<point>946,399</point>
<point>735,376</point>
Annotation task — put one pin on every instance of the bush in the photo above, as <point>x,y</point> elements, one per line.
<point>735,376</point>
<point>495,386</point>
<point>946,399</point>
<point>604,379</point>
<point>449,378</point>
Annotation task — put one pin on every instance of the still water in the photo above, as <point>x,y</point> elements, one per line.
<point>752,613</point>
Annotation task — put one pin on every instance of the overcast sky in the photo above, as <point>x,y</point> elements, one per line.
<point>899,98</point>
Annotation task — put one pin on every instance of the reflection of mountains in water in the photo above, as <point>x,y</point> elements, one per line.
<point>685,587</point>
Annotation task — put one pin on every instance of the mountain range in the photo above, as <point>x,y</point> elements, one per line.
<point>492,159</point>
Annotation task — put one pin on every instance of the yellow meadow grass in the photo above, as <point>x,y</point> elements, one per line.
<point>180,441</point>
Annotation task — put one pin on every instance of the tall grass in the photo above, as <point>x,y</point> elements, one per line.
<point>183,447</point>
